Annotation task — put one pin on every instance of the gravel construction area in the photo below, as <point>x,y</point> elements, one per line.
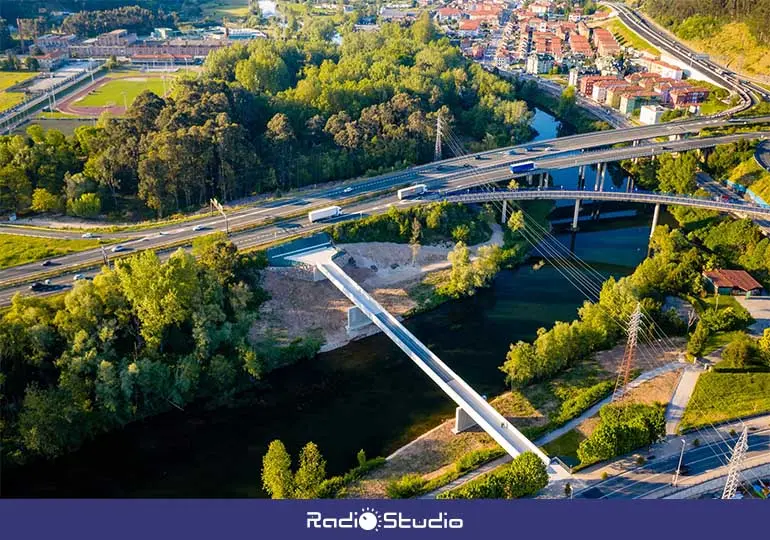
<point>386,270</point>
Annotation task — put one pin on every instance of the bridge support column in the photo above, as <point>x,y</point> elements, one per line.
<point>504,218</point>
<point>630,184</point>
<point>604,173</point>
<point>356,320</point>
<point>655,216</point>
<point>317,274</point>
<point>463,421</point>
<point>581,177</point>
<point>529,180</point>
<point>598,175</point>
<point>576,215</point>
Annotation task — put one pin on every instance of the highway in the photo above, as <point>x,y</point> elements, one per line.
<point>286,217</point>
<point>748,92</point>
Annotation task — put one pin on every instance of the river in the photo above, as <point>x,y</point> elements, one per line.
<point>366,395</point>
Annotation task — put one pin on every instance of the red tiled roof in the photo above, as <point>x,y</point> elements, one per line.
<point>733,279</point>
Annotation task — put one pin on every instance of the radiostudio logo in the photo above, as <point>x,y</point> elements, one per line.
<point>370,519</point>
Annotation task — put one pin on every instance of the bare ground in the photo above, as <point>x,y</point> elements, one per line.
<point>386,270</point>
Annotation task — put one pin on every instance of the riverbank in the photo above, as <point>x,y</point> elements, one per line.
<point>388,271</point>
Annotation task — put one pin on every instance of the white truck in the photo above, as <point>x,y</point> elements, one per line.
<point>323,213</point>
<point>411,191</point>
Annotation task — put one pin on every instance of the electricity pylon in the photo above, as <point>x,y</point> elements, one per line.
<point>437,153</point>
<point>736,463</point>
<point>624,371</point>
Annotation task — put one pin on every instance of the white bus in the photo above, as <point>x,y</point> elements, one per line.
<point>411,191</point>
<point>323,213</point>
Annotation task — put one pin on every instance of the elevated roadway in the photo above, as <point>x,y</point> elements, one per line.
<point>285,217</point>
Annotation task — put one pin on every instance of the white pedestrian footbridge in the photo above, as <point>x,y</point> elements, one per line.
<point>473,408</point>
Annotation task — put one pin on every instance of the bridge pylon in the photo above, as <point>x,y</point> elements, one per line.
<point>624,370</point>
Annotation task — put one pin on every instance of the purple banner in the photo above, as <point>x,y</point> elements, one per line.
<point>339,519</point>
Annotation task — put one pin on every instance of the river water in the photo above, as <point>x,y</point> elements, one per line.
<point>366,395</point>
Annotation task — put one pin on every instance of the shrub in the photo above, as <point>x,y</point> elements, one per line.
<point>88,205</point>
<point>472,460</point>
<point>524,476</point>
<point>406,487</point>
<point>621,429</point>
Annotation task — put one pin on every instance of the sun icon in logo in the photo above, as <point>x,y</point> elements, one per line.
<point>369,520</point>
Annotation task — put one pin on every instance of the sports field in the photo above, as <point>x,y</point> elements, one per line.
<point>233,8</point>
<point>8,79</point>
<point>131,84</point>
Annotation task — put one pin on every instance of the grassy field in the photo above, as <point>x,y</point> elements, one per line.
<point>735,47</point>
<point>111,93</point>
<point>628,38</point>
<point>233,8</point>
<point>17,249</point>
<point>723,396</point>
<point>8,79</point>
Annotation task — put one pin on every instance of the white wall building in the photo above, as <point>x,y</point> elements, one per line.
<point>650,114</point>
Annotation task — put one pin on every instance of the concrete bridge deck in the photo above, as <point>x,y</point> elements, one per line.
<point>461,393</point>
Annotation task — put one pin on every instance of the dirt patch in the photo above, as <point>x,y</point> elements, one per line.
<point>385,270</point>
<point>658,390</point>
<point>647,356</point>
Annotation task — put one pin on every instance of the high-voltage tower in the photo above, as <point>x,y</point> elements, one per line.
<point>736,463</point>
<point>624,371</point>
<point>437,153</point>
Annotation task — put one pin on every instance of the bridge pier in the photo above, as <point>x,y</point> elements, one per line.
<point>529,180</point>
<point>504,218</point>
<point>581,177</point>
<point>576,215</point>
<point>598,176</point>
<point>601,181</point>
<point>356,320</point>
<point>655,216</point>
<point>463,421</point>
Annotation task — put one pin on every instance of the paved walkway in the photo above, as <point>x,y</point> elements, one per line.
<point>681,398</point>
<point>759,308</point>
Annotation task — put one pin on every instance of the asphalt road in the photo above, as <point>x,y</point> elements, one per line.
<point>657,474</point>
<point>447,176</point>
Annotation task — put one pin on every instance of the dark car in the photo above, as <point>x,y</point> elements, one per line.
<point>479,157</point>
<point>684,470</point>
<point>46,263</point>
<point>37,286</point>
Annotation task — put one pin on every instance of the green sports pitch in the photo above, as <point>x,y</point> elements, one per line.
<point>111,94</point>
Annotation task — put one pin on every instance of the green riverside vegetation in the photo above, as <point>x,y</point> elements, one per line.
<point>141,338</point>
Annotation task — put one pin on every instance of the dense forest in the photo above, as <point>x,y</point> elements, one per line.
<point>142,337</point>
<point>693,19</point>
<point>131,18</point>
<point>268,116</point>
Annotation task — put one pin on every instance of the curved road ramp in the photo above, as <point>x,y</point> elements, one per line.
<point>461,393</point>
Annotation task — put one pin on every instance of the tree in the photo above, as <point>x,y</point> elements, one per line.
<point>423,30</point>
<point>567,102</point>
<point>742,352</point>
<point>414,240</point>
<point>311,472</point>
<point>88,205</point>
<point>276,472</point>
<point>462,277</point>
<point>45,201</point>
<point>31,63</point>
<point>677,174</point>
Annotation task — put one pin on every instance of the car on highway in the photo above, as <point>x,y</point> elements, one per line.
<point>47,263</point>
<point>87,235</point>
<point>347,190</point>
<point>199,228</point>
<point>77,277</point>
<point>118,248</point>
<point>37,286</point>
<point>478,158</point>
